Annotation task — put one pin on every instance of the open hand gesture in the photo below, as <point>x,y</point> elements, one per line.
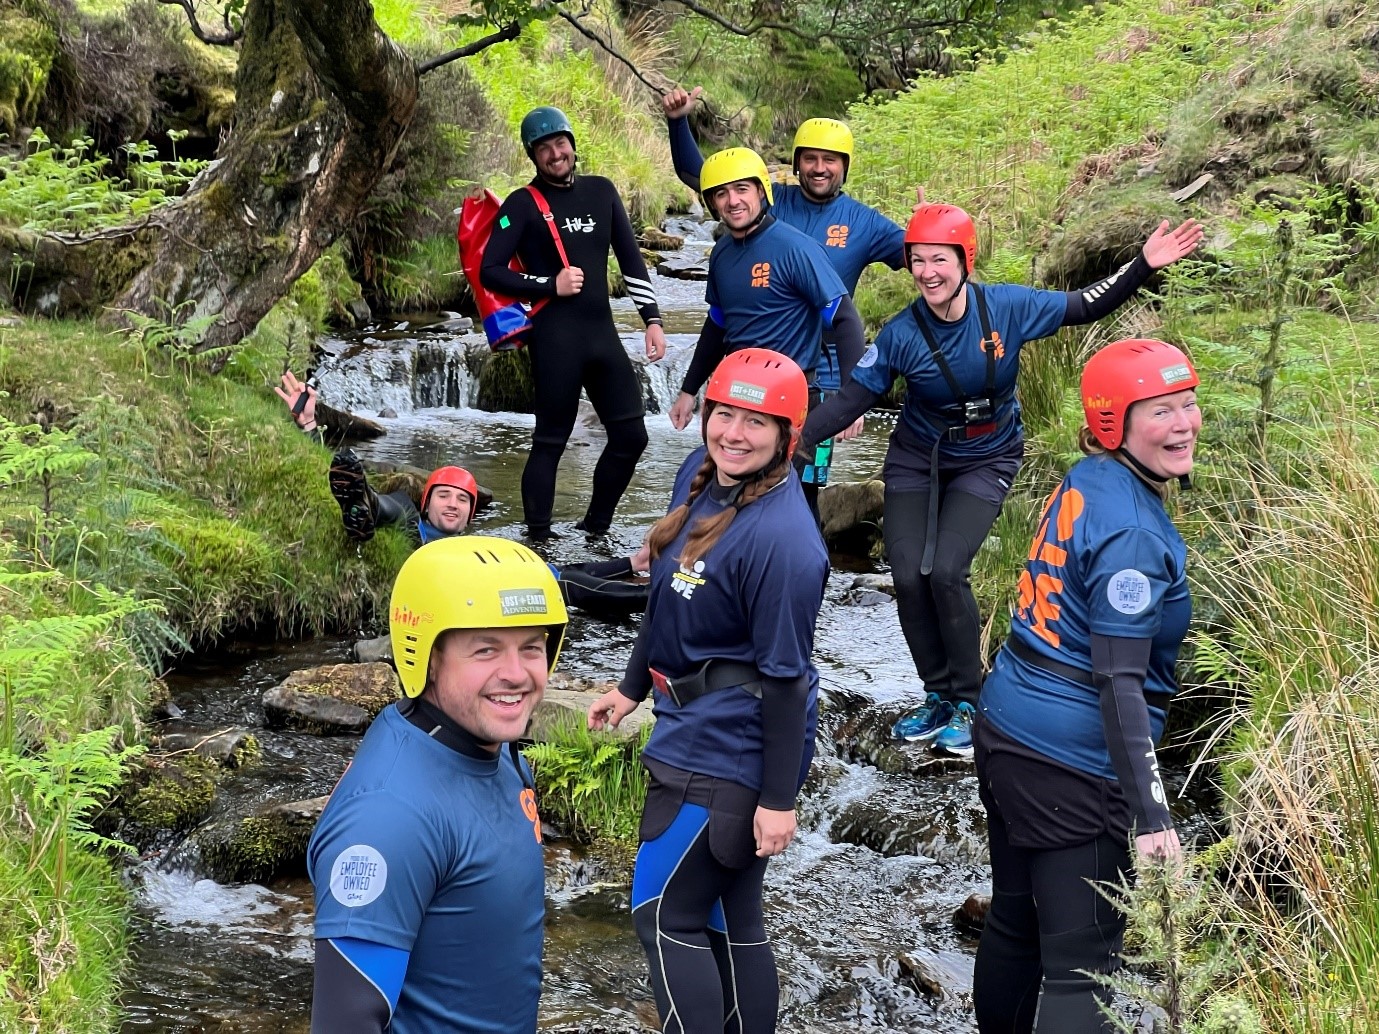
<point>300,398</point>
<point>1166,246</point>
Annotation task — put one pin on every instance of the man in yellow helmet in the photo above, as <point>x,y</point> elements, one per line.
<point>427,860</point>
<point>853,235</point>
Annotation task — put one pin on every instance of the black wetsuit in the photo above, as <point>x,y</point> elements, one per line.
<point>573,343</point>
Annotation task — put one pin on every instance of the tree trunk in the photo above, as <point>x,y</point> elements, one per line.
<point>323,99</point>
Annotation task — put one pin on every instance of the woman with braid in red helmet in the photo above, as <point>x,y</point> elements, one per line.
<point>959,442</point>
<point>737,579</point>
<point>1077,699</point>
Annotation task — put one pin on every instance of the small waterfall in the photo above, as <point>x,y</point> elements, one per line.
<point>373,372</point>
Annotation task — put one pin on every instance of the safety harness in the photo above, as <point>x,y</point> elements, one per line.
<point>977,414</point>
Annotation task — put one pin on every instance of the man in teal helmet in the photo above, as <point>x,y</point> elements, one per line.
<point>561,226</point>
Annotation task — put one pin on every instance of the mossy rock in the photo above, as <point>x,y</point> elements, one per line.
<point>257,847</point>
<point>505,383</point>
<point>161,795</point>
<point>28,48</point>
<point>1104,229</point>
<point>332,698</point>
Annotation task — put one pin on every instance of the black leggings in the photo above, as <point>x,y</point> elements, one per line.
<point>938,613</point>
<point>712,968</point>
<point>567,357</point>
<point>1047,926</point>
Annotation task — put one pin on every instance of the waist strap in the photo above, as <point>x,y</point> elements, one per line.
<point>1071,672</point>
<point>713,676</point>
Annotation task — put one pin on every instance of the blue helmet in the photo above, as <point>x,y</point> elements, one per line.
<point>542,122</point>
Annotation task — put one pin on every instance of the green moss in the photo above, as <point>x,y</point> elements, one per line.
<point>169,794</point>
<point>257,848</point>
<point>28,47</point>
<point>505,383</point>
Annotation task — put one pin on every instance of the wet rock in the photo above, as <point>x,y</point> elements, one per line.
<point>684,267</point>
<point>567,699</point>
<point>926,974</point>
<point>339,424</point>
<point>869,598</point>
<point>971,914</point>
<point>947,827</point>
<point>161,795</point>
<point>455,323</point>
<point>228,748</point>
<point>851,506</point>
<point>658,240</point>
<point>257,847</point>
<point>359,312</point>
<point>165,711</point>
<point>875,582</point>
<point>332,698</point>
<point>371,651</point>
<point>387,413</point>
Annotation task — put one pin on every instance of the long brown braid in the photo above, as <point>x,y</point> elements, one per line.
<point>708,530</point>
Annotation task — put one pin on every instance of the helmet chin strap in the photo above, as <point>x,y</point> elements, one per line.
<point>1184,481</point>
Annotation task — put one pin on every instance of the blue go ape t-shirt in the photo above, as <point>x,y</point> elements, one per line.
<point>1106,560</point>
<point>755,598</point>
<point>1018,315</point>
<point>853,235</point>
<point>436,853</point>
<point>773,289</point>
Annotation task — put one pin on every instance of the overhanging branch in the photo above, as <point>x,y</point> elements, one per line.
<point>226,39</point>
<point>507,32</point>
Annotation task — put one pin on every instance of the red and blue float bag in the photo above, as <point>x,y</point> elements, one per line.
<point>506,320</point>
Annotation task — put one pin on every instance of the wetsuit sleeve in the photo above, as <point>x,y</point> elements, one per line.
<point>835,414</point>
<point>356,987</point>
<point>513,217</point>
<point>784,708</point>
<point>684,152</point>
<point>636,679</point>
<point>1107,295</point>
<point>889,247</point>
<point>1118,669</point>
<point>708,353</point>
<point>632,264</point>
<point>849,335</point>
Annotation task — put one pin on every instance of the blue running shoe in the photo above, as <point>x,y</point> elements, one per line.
<point>924,722</point>
<point>955,737</point>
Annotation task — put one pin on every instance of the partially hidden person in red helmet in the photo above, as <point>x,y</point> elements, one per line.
<point>1077,698</point>
<point>449,500</point>
<point>959,442</point>
<point>736,586</point>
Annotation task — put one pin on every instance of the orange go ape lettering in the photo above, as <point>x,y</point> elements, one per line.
<point>761,274</point>
<point>528,799</point>
<point>1035,605</point>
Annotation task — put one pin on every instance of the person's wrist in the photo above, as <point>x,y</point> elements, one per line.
<point>308,427</point>
<point>655,321</point>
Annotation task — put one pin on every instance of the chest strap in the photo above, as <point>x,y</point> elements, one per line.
<point>715,674</point>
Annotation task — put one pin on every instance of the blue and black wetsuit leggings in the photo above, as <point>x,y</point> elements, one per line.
<point>696,907</point>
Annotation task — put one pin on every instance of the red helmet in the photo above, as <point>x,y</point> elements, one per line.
<point>451,477</point>
<point>1123,373</point>
<point>944,224</point>
<point>765,382</point>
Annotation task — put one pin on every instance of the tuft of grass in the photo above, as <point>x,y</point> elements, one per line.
<point>590,784</point>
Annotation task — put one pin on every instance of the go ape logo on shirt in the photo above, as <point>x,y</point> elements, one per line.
<point>837,236</point>
<point>761,274</point>
<point>528,801</point>
<point>685,581</point>
<point>1035,606</point>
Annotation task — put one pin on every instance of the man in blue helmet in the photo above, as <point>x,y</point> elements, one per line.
<point>562,226</point>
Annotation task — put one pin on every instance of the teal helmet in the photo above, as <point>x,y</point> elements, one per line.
<point>542,122</point>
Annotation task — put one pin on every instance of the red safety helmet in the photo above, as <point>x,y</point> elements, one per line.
<point>765,382</point>
<point>944,224</point>
<point>1125,372</point>
<point>451,477</point>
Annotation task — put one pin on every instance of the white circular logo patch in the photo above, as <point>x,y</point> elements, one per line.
<point>868,358</point>
<point>358,875</point>
<point>1128,591</point>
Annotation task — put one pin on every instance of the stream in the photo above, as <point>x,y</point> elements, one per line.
<point>861,907</point>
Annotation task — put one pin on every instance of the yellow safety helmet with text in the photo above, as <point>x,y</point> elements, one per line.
<point>823,134</point>
<point>469,581</point>
<point>729,166</point>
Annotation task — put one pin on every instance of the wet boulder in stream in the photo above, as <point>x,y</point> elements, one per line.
<point>255,848</point>
<point>332,698</point>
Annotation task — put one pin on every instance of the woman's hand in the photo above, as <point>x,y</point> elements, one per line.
<point>1162,846</point>
<point>1166,246</point>
<point>774,830</point>
<point>610,709</point>
<point>300,398</point>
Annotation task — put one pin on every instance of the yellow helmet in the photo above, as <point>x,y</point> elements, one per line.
<point>823,134</point>
<point>729,166</point>
<point>469,581</point>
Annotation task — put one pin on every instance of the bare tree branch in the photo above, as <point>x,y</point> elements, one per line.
<point>610,50</point>
<point>507,32</point>
<point>813,35</point>
<point>226,39</point>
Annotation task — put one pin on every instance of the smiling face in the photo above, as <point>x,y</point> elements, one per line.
<point>741,442</point>
<point>555,158</point>
<point>489,680</point>
<point>821,172</point>
<point>738,204</point>
<point>937,269</point>
<point>448,509</point>
<point>1161,433</point>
